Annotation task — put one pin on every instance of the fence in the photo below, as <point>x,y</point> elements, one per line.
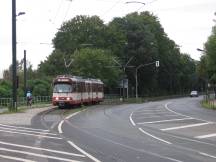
<point>108,99</point>
<point>6,102</point>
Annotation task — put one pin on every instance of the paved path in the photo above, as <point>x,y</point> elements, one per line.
<point>21,118</point>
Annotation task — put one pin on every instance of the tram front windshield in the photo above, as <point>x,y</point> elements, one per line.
<point>62,88</point>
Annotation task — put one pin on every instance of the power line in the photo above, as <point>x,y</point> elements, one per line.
<point>111,8</point>
<point>57,12</point>
<point>68,8</point>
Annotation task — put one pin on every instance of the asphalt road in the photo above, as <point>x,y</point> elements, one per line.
<point>173,130</point>
<point>177,130</point>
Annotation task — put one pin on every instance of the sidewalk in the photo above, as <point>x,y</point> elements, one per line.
<point>20,118</point>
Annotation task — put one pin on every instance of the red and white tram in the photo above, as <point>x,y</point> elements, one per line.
<point>73,90</point>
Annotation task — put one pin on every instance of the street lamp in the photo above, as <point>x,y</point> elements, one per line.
<point>206,77</point>
<point>14,68</point>
<point>201,50</point>
<point>140,66</point>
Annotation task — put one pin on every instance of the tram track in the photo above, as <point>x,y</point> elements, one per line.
<point>53,115</point>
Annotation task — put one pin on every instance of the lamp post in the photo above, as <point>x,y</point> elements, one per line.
<point>14,68</point>
<point>206,77</point>
<point>140,66</point>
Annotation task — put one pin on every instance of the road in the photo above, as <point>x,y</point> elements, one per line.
<point>176,130</point>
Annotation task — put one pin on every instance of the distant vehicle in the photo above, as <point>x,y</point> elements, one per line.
<point>194,94</point>
<point>73,90</point>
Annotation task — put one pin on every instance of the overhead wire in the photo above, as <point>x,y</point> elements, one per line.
<point>67,11</point>
<point>57,12</point>
<point>111,8</point>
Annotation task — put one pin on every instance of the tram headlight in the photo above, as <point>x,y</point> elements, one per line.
<point>56,98</point>
<point>68,98</point>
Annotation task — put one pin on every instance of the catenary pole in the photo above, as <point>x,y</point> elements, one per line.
<point>25,76</point>
<point>14,69</point>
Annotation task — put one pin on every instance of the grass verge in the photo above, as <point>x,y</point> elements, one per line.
<point>208,105</point>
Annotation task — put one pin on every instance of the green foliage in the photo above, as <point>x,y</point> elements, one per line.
<point>210,47</point>
<point>137,36</point>
<point>81,30</point>
<point>40,87</point>
<point>95,63</point>
<point>5,89</point>
<point>54,65</point>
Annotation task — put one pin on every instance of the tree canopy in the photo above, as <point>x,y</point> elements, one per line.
<point>85,46</point>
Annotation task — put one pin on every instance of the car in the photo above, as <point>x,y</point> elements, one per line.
<point>194,94</point>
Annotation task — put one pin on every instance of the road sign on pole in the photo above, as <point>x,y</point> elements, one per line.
<point>157,64</point>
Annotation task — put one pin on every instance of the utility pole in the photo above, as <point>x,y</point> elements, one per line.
<point>14,68</point>
<point>123,67</point>
<point>25,76</point>
<point>157,64</point>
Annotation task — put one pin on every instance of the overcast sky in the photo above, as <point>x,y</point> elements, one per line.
<point>187,22</point>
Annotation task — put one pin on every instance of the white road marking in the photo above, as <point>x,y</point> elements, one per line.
<point>15,158</point>
<point>38,155</point>
<point>185,126</point>
<point>60,127</point>
<point>25,128</point>
<point>61,123</point>
<point>83,152</point>
<point>131,120</point>
<point>206,136</point>
<point>42,149</point>
<point>162,121</point>
<point>46,133</point>
<point>166,106</point>
<point>68,117</point>
<point>155,116</point>
<point>29,134</point>
<point>211,156</point>
<point>154,136</point>
<point>152,113</point>
<point>152,110</point>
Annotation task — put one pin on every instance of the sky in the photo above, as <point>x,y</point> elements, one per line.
<point>187,22</point>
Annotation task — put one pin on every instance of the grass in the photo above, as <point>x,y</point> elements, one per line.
<point>208,105</point>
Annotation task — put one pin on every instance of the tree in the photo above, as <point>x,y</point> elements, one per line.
<point>210,48</point>
<point>53,65</point>
<point>79,31</point>
<point>137,36</point>
<point>5,89</point>
<point>96,63</point>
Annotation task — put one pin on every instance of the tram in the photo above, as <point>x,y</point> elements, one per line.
<point>73,90</point>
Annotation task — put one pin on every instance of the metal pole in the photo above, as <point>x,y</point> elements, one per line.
<point>25,76</point>
<point>136,85</point>
<point>14,69</point>
<point>123,86</point>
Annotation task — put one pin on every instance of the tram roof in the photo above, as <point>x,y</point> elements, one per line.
<point>80,79</point>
